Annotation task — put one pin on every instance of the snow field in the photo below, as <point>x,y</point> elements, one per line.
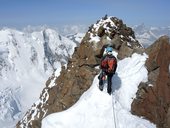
<point>97,109</point>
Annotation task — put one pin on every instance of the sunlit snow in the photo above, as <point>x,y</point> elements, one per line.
<point>96,109</point>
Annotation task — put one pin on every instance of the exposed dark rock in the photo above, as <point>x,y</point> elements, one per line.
<point>101,31</point>
<point>168,118</point>
<point>124,51</point>
<point>116,42</point>
<point>153,97</point>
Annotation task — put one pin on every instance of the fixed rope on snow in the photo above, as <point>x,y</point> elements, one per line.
<point>114,114</point>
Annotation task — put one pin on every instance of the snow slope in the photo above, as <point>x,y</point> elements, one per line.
<point>76,37</point>
<point>96,109</point>
<point>26,62</point>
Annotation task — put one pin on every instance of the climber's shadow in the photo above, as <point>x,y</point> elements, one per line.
<point>116,82</point>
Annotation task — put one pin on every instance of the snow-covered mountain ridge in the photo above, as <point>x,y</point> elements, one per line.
<point>64,90</point>
<point>26,62</point>
<point>149,91</point>
<point>12,100</point>
<point>97,109</point>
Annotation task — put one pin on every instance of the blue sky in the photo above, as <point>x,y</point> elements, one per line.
<point>19,13</point>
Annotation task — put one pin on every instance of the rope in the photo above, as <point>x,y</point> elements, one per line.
<point>114,114</point>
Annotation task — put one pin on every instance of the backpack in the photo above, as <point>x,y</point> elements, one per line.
<point>109,64</point>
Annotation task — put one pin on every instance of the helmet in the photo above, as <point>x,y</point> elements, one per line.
<point>109,49</point>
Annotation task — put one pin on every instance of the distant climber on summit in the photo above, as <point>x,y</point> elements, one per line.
<point>108,67</point>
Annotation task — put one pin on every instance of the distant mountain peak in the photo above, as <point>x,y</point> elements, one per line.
<point>147,35</point>
<point>27,59</point>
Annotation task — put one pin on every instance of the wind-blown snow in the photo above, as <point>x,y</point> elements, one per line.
<point>96,109</point>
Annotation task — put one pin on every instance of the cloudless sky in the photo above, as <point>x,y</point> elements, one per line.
<point>20,13</point>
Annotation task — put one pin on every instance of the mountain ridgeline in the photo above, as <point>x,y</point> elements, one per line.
<point>64,90</point>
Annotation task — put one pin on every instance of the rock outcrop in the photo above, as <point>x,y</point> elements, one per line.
<point>113,31</point>
<point>63,90</point>
<point>153,97</point>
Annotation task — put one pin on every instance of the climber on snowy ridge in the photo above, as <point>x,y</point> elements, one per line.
<point>108,67</point>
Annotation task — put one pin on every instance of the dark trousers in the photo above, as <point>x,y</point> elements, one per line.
<point>109,81</point>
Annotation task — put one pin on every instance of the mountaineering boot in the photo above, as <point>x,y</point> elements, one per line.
<point>101,87</point>
<point>109,93</point>
<point>109,89</point>
<point>101,84</point>
<point>100,81</point>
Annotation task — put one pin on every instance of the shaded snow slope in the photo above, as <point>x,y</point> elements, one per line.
<point>96,109</point>
<point>76,37</point>
<point>26,62</point>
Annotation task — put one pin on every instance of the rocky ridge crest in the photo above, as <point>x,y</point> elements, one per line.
<point>64,89</point>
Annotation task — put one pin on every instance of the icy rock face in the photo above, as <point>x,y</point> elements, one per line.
<point>9,105</point>
<point>153,97</point>
<point>26,62</point>
<point>65,88</point>
<point>39,49</point>
<point>57,48</point>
